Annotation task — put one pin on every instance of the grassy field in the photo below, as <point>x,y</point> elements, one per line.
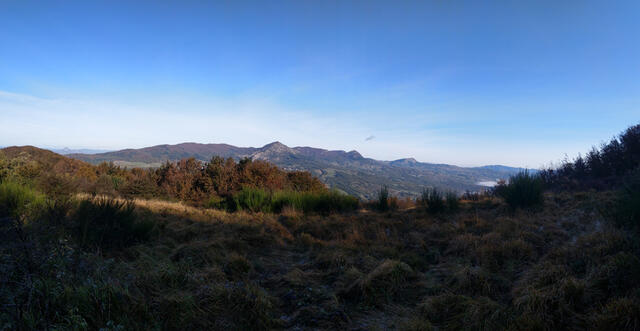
<point>482,267</point>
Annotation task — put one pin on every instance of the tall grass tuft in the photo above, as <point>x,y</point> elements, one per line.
<point>523,190</point>
<point>17,200</point>
<point>108,223</point>
<point>383,199</point>
<point>257,200</point>
<point>253,200</point>
<point>433,200</point>
<point>320,202</point>
<point>453,201</point>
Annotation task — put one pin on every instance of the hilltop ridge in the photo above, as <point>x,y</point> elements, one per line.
<point>349,172</point>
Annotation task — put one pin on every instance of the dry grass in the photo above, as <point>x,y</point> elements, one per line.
<point>482,267</point>
<point>179,209</point>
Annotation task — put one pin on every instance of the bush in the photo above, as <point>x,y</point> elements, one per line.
<point>216,202</point>
<point>108,223</point>
<point>433,200</point>
<point>320,202</point>
<point>253,200</point>
<point>453,202</point>
<point>17,200</point>
<point>383,199</point>
<point>57,186</point>
<point>256,200</point>
<point>626,211</point>
<point>523,190</point>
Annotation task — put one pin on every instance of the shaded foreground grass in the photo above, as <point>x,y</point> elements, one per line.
<point>483,267</point>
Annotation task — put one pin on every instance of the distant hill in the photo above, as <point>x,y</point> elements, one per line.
<point>46,159</point>
<point>347,171</point>
<point>66,151</point>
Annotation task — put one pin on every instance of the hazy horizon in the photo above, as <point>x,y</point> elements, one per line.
<point>98,151</point>
<point>518,84</point>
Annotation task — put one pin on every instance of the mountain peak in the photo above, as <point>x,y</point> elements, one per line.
<point>354,154</point>
<point>272,151</point>
<point>408,160</point>
<point>277,147</point>
<point>274,144</point>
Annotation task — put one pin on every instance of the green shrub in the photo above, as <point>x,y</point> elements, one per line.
<point>453,201</point>
<point>523,190</point>
<point>433,200</point>
<point>320,202</point>
<point>258,200</point>
<point>383,199</point>
<point>17,200</point>
<point>108,223</point>
<point>216,202</point>
<point>253,200</point>
<point>626,211</point>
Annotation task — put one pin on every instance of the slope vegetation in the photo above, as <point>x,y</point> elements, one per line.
<point>349,172</point>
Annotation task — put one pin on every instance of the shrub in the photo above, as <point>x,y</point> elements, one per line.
<point>453,201</point>
<point>258,200</point>
<point>216,202</point>
<point>626,211</point>
<point>601,167</point>
<point>57,186</point>
<point>319,202</point>
<point>253,200</point>
<point>17,200</point>
<point>523,190</point>
<point>330,201</point>
<point>383,199</point>
<point>109,223</point>
<point>433,200</point>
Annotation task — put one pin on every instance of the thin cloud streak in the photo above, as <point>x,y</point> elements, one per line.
<point>102,124</point>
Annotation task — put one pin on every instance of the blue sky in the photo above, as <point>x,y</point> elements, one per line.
<point>463,82</point>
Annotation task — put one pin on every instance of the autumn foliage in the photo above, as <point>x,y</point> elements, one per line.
<point>189,180</point>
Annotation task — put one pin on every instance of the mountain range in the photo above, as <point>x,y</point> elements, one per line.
<point>66,151</point>
<point>349,172</point>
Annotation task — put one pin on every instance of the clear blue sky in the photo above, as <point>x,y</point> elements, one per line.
<point>463,82</point>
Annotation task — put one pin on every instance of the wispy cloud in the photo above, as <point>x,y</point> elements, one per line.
<point>113,123</point>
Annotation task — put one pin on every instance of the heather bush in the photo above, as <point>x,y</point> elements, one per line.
<point>523,190</point>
